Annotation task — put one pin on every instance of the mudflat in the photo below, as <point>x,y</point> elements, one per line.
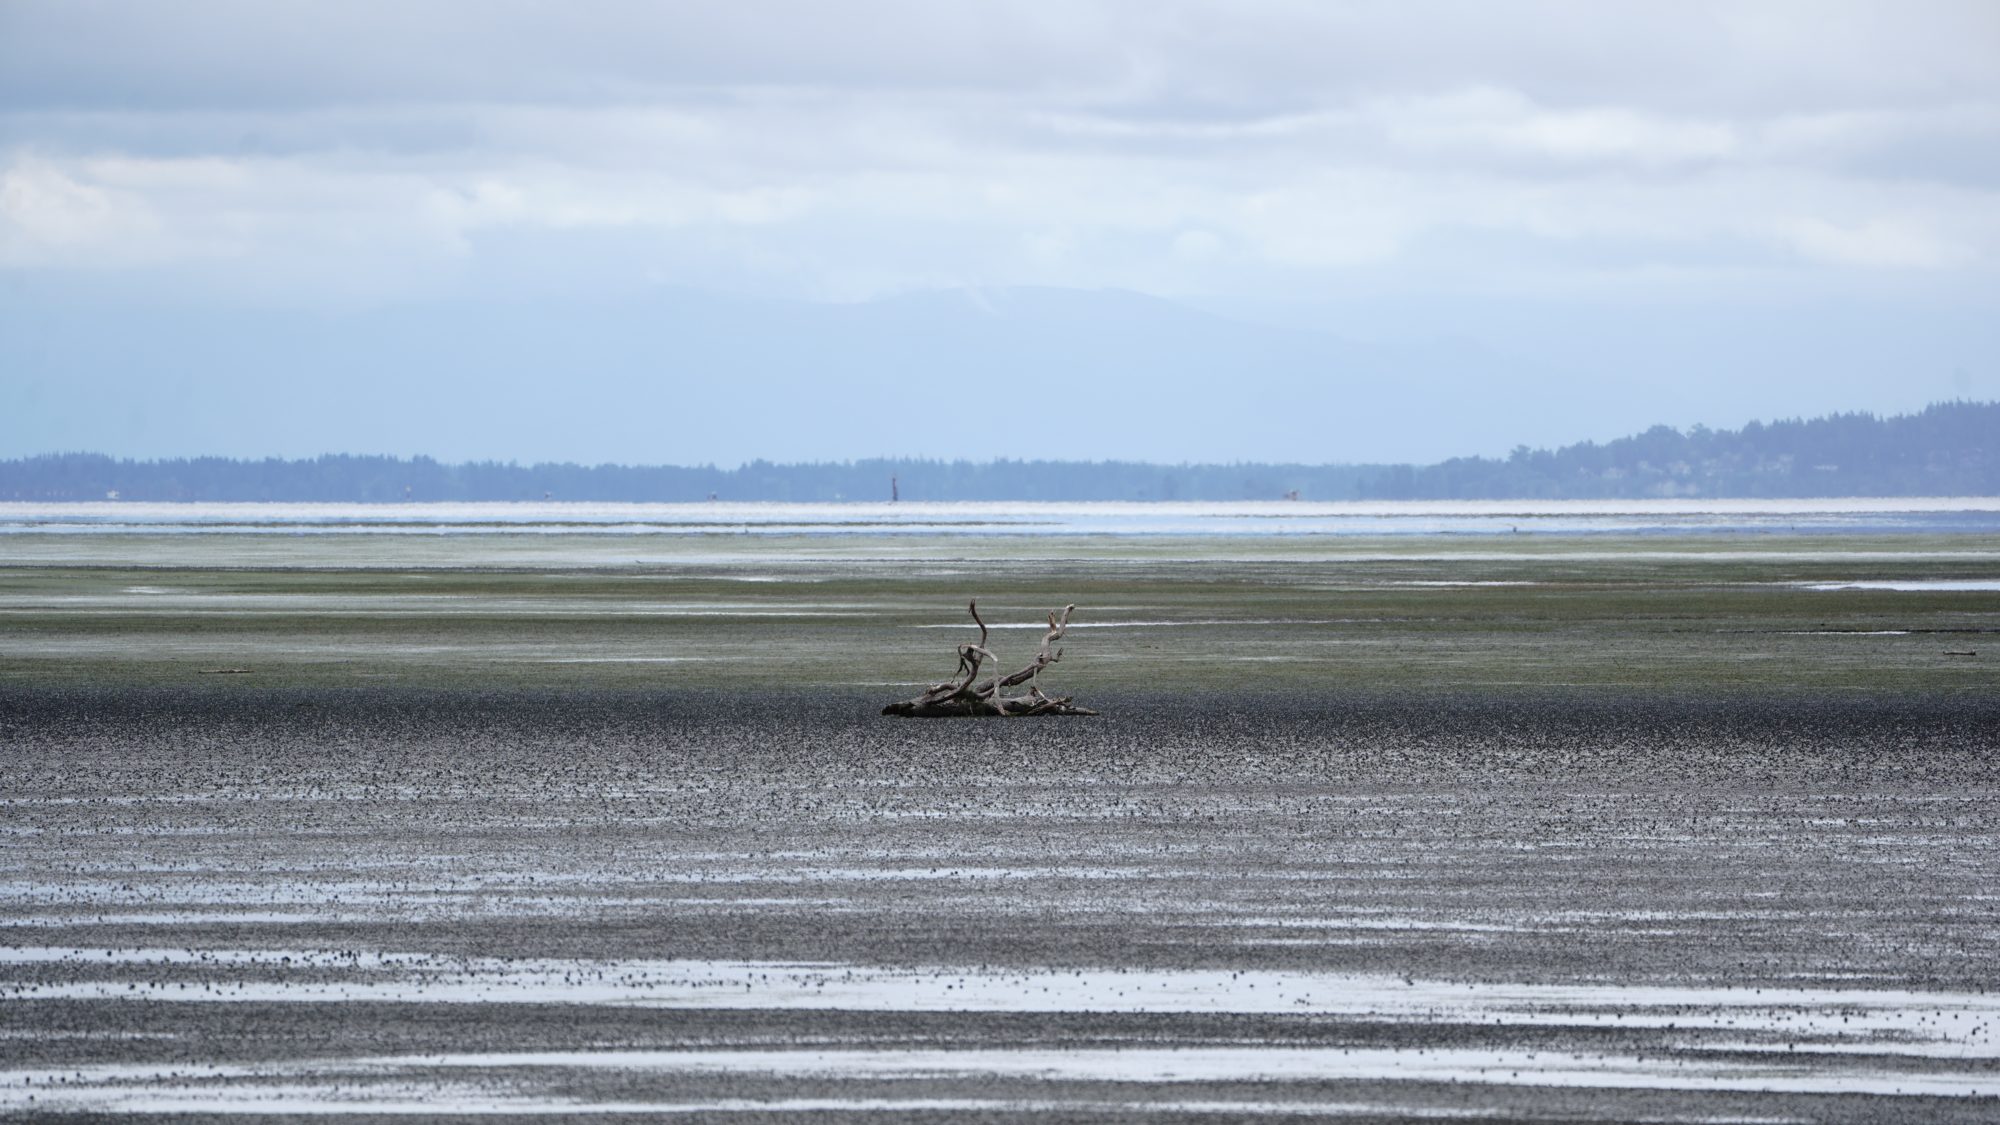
<point>1681,828</point>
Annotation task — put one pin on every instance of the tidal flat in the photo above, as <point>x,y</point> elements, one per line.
<point>1683,827</point>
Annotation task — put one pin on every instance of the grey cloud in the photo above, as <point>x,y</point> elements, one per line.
<point>1387,169</point>
<point>861,147</point>
<point>221,54</point>
<point>1164,56</point>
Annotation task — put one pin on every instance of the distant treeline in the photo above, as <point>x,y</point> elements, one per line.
<point>91,476</point>
<point>1947,449</point>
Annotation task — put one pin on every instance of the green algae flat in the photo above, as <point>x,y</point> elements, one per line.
<point>291,820</point>
<point>1708,612</point>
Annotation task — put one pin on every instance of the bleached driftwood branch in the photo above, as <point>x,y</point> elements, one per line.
<point>966,696</point>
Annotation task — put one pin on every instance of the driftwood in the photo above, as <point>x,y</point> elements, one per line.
<point>966,696</point>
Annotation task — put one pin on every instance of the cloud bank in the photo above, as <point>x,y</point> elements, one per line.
<point>1311,162</point>
<point>849,150</point>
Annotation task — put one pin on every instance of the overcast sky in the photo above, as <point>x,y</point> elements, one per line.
<point>1382,172</point>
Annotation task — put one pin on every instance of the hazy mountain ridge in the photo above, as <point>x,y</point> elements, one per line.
<point>1946,449</point>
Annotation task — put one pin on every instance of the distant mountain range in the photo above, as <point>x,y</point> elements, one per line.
<point>1949,449</point>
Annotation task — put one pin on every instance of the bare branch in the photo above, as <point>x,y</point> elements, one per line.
<point>964,695</point>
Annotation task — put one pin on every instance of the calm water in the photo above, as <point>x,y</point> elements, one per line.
<point>1928,515</point>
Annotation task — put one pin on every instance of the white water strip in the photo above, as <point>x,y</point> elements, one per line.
<point>1911,585</point>
<point>1043,625</point>
<point>268,1098</point>
<point>1845,633</point>
<point>1911,1024</point>
<point>395,1075</point>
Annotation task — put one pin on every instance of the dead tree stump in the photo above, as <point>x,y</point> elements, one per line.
<point>966,696</point>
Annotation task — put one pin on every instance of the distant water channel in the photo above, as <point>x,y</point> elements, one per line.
<point>1898,515</point>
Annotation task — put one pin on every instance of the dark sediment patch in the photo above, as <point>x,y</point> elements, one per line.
<point>1597,837</point>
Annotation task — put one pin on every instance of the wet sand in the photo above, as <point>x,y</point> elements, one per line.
<point>1523,827</point>
<point>1359,904</point>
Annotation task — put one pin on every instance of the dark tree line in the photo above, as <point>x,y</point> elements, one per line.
<point>91,476</point>
<point>1947,449</point>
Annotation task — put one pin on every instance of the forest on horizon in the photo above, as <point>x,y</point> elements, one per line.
<point>1946,449</point>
